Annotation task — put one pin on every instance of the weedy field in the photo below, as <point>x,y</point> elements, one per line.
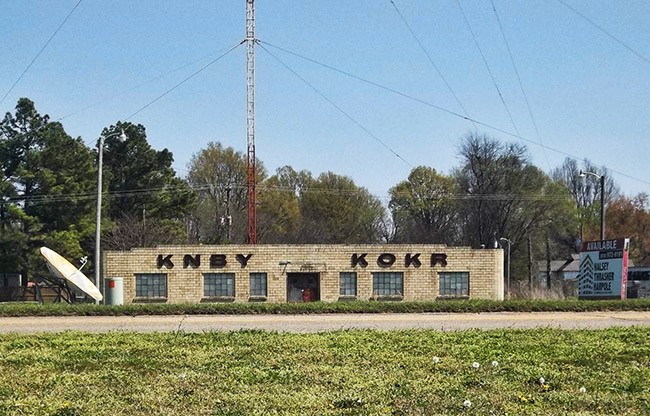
<point>530,372</point>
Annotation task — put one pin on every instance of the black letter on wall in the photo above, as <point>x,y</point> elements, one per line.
<point>218,260</point>
<point>386,259</point>
<point>412,260</point>
<point>165,261</point>
<point>243,260</point>
<point>188,260</point>
<point>359,260</point>
<point>439,258</point>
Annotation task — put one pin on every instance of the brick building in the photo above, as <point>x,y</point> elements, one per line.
<point>299,273</point>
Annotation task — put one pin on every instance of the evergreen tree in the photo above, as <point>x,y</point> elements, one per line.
<point>147,204</point>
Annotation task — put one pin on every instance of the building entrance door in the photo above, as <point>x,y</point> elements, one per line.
<point>303,287</point>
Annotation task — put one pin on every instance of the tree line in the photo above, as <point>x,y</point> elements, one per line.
<point>48,183</point>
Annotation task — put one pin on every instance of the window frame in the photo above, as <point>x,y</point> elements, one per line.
<point>388,292</point>
<point>158,294</point>
<point>346,286</point>
<point>258,296</point>
<point>450,288</point>
<point>230,291</point>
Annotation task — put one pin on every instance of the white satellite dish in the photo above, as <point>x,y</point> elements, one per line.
<point>63,269</point>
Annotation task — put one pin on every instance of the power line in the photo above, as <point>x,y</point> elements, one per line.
<point>49,199</point>
<point>442,109</point>
<point>107,99</point>
<point>426,53</point>
<point>487,66</point>
<point>620,42</point>
<point>132,193</point>
<point>185,80</point>
<point>375,84</point>
<point>87,142</point>
<point>337,107</point>
<point>41,51</point>
<point>521,85</point>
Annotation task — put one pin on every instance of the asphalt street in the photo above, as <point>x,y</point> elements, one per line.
<point>326,322</point>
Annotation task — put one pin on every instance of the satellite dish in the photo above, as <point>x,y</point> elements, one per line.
<point>63,269</point>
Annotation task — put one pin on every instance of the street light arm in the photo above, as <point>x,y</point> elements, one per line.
<point>119,134</point>
<point>584,173</point>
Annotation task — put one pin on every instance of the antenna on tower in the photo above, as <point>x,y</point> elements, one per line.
<point>251,171</point>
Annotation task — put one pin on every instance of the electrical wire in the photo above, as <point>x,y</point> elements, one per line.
<point>521,85</point>
<point>375,84</point>
<point>123,92</point>
<point>349,117</point>
<point>599,27</point>
<point>426,53</point>
<point>442,109</point>
<point>33,200</point>
<point>195,73</point>
<point>487,66</point>
<point>41,51</point>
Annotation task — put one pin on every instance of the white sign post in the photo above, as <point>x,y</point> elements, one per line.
<point>603,269</point>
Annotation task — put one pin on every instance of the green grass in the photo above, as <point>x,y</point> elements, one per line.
<point>23,309</point>
<point>336,373</point>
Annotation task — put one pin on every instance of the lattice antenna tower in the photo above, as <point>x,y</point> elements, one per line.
<point>251,171</point>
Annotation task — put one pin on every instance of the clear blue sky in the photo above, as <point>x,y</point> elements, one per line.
<point>590,96</point>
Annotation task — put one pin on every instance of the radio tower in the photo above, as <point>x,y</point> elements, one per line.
<point>250,122</point>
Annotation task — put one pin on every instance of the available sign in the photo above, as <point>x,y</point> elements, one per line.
<point>603,269</point>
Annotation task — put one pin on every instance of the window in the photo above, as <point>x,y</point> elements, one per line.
<point>348,284</point>
<point>152,285</point>
<point>454,284</point>
<point>258,285</point>
<point>388,284</point>
<point>219,285</point>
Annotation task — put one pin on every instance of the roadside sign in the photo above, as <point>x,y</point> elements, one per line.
<point>603,269</point>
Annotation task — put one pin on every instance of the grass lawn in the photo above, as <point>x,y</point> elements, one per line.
<point>335,373</point>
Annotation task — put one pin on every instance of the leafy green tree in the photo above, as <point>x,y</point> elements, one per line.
<point>218,175</point>
<point>13,241</point>
<point>630,217</point>
<point>18,141</point>
<point>63,171</point>
<point>50,177</point>
<point>425,208</point>
<point>279,216</point>
<point>141,184</point>
<point>336,211</point>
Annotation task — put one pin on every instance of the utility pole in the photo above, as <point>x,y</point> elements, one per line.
<point>251,194</point>
<point>602,207</point>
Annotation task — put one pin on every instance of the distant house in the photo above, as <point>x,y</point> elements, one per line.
<point>560,269</point>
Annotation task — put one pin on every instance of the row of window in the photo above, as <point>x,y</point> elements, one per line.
<point>453,284</point>
<point>214,285</point>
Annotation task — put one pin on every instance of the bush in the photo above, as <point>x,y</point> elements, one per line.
<point>451,306</point>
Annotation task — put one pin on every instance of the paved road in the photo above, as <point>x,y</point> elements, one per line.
<point>327,322</point>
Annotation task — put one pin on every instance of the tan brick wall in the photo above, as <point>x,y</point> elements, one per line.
<point>185,284</point>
